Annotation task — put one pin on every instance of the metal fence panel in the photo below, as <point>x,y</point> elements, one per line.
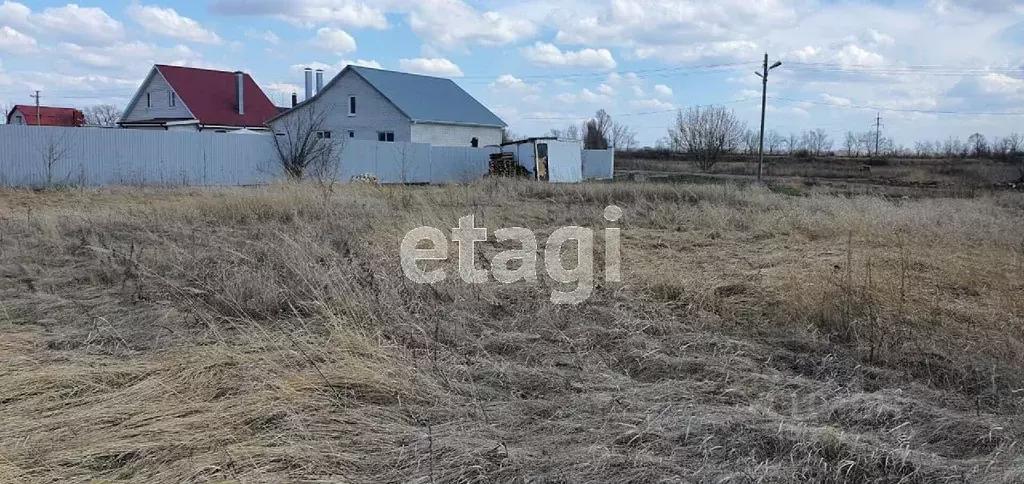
<point>598,164</point>
<point>39,156</point>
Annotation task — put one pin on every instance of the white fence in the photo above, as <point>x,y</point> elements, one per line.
<point>598,164</point>
<point>41,156</point>
<point>38,156</point>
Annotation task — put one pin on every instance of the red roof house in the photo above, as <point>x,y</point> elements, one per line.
<point>186,98</point>
<point>45,116</point>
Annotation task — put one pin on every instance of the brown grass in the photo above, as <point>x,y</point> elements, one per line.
<point>268,335</point>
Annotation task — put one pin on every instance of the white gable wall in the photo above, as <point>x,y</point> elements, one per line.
<point>454,135</point>
<point>158,88</point>
<point>374,113</point>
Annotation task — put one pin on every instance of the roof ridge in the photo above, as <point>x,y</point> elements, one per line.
<point>200,69</point>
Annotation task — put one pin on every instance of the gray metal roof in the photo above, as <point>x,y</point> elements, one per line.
<point>428,99</point>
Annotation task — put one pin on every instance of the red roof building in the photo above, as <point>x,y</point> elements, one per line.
<point>45,116</point>
<point>186,98</point>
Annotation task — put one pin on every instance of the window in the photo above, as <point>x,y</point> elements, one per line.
<point>149,100</point>
<point>172,99</point>
<point>19,120</point>
<point>323,134</point>
<point>351,105</point>
<point>351,134</point>
<point>474,143</point>
<point>386,136</point>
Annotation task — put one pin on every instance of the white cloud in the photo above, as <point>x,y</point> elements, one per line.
<point>15,42</point>
<point>548,54</point>
<point>85,25</point>
<point>359,62</point>
<point>14,14</point>
<point>839,101</point>
<point>652,105</point>
<point>508,82</point>
<point>267,36</point>
<point>606,90</point>
<point>168,23</point>
<point>731,49</point>
<point>437,66</point>
<point>128,56</point>
<point>616,79</point>
<point>284,88</point>
<point>453,23</point>
<point>639,92</point>
<point>663,90</point>
<point>585,96</point>
<point>307,13</point>
<point>334,40</point>
<point>4,79</point>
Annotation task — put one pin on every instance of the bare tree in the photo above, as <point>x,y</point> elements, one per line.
<point>774,141</point>
<point>572,132</point>
<point>55,149</point>
<point>792,143</point>
<point>706,133</point>
<point>622,137</point>
<point>850,144</point>
<point>816,142</point>
<point>978,145</point>
<point>402,160</point>
<point>305,144</point>
<point>105,115</point>
<point>597,131</point>
<point>751,142</point>
<point>6,108</point>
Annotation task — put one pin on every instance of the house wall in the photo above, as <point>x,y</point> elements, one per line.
<point>18,117</point>
<point>454,135</point>
<point>374,113</point>
<point>158,88</point>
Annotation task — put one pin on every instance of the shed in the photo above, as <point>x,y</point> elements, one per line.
<point>549,159</point>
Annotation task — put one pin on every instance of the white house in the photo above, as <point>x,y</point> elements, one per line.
<point>379,105</point>
<point>185,98</point>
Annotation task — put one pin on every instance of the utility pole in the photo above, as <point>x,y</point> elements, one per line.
<point>764,104</point>
<point>878,132</point>
<point>39,117</point>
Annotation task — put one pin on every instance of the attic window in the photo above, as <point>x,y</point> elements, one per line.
<point>351,105</point>
<point>172,99</point>
<point>149,100</point>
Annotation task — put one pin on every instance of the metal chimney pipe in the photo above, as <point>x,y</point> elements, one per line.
<point>295,99</point>
<point>319,80</point>
<point>309,82</point>
<point>240,91</point>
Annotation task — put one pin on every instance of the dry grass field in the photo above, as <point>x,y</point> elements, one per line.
<point>269,335</point>
<point>895,176</point>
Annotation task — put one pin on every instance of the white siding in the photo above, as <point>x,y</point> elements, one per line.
<point>374,113</point>
<point>158,88</point>
<point>454,135</point>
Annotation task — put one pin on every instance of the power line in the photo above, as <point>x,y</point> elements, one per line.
<point>923,68</point>
<point>899,110</point>
<point>645,113</point>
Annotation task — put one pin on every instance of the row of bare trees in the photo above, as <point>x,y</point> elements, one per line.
<point>599,133</point>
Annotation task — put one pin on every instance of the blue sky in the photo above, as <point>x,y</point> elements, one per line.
<point>936,67</point>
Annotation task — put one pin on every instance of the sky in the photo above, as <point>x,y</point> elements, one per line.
<point>930,68</point>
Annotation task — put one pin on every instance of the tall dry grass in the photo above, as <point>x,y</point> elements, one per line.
<point>268,335</point>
